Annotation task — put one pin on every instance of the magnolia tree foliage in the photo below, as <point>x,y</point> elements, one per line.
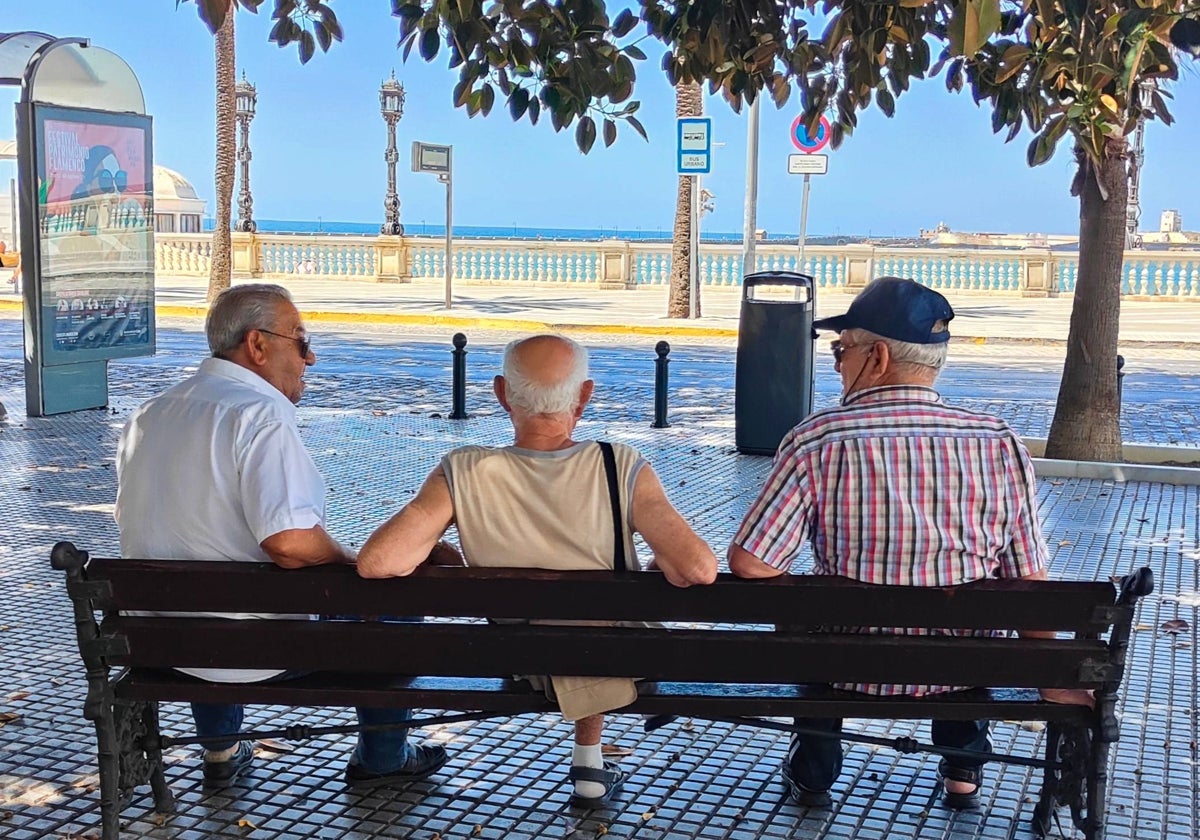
<point>1056,67</point>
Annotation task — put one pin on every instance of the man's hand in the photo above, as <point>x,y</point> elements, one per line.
<point>445,554</point>
<point>1069,696</point>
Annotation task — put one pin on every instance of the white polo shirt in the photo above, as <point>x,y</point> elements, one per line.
<point>209,469</point>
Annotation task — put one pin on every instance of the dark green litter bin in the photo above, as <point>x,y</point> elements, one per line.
<point>773,384</point>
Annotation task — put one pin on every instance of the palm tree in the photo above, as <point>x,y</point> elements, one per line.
<point>226,158</point>
<point>689,102</point>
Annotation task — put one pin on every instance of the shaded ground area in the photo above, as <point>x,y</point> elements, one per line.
<point>367,419</point>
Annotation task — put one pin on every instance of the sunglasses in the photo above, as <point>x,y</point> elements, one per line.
<point>839,350</point>
<point>304,342</point>
<point>112,181</point>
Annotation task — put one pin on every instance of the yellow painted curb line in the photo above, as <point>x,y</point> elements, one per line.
<point>14,305</point>
<point>479,322</point>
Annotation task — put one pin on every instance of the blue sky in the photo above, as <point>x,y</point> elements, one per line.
<point>318,141</point>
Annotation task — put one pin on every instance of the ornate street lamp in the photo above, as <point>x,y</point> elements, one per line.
<point>391,106</point>
<point>246,98</point>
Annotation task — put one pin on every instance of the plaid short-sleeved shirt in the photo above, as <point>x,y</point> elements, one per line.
<point>895,487</point>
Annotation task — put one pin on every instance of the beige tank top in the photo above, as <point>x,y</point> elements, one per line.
<point>522,508</point>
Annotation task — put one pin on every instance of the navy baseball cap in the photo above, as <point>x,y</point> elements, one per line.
<point>894,307</point>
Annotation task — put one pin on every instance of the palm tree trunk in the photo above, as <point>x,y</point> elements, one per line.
<point>689,102</point>
<point>226,158</point>
<point>1086,425</point>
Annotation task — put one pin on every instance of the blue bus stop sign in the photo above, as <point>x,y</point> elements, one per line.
<point>801,139</point>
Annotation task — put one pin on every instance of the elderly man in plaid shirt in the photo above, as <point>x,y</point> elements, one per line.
<point>893,486</point>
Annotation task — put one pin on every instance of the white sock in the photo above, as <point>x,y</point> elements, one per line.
<point>588,755</point>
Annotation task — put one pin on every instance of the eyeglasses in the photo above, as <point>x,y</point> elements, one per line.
<point>304,342</point>
<point>839,349</point>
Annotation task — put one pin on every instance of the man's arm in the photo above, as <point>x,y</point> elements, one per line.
<point>744,564</point>
<point>679,553</point>
<point>1066,696</point>
<point>297,548</point>
<point>403,543</point>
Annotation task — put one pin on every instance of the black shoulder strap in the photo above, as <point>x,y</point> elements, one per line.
<point>614,498</point>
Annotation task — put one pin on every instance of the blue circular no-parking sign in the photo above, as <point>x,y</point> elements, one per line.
<point>802,141</point>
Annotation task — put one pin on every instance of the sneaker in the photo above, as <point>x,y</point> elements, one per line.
<point>423,761</point>
<point>222,773</point>
<point>805,796</point>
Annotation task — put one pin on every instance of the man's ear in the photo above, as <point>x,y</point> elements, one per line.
<point>585,396</point>
<point>499,388</point>
<point>254,345</point>
<point>880,355</point>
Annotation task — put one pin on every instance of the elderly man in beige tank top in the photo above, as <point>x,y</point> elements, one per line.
<point>547,494</point>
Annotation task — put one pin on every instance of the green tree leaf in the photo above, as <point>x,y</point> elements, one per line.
<point>585,134</point>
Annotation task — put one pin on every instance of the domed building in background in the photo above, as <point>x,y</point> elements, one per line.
<point>177,208</point>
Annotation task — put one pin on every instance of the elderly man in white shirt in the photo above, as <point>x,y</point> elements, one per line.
<point>214,469</point>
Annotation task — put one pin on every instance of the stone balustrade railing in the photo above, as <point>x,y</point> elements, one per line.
<point>618,264</point>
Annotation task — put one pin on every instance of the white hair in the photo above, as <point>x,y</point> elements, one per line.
<point>906,352</point>
<point>239,309</point>
<point>534,397</point>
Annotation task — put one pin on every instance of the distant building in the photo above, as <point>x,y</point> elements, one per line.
<point>177,208</point>
<point>1170,222</point>
<point>943,236</point>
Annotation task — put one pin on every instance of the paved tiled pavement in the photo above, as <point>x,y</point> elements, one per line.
<point>507,779</point>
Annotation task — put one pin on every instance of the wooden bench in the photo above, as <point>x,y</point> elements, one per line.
<point>758,653</point>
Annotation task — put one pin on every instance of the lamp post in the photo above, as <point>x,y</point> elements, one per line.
<point>391,106</point>
<point>246,99</point>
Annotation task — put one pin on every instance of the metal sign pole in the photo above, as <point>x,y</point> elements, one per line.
<point>449,238</point>
<point>751,212</point>
<point>796,293</point>
<point>694,249</point>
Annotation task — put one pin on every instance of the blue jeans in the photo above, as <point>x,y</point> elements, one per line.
<point>815,762</point>
<point>383,751</point>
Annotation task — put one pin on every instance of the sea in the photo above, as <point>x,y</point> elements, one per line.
<point>515,232</point>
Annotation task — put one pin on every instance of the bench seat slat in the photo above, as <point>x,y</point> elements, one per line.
<point>482,650</point>
<point>804,600</point>
<point>501,695</point>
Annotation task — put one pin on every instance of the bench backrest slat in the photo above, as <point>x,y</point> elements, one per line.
<point>799,601</point>
<point>483,650</point>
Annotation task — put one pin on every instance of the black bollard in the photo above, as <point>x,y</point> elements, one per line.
<point>459,386</point>
<point>1120,381</point>
<point>660,385</point>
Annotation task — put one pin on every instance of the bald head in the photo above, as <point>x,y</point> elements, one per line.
<point>545,374</point>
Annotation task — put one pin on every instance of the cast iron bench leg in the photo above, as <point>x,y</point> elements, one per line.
<point>164,800</point>
<point>1043,812</point>
<point>109,762</point>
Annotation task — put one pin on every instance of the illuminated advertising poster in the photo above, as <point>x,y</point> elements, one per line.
<point>96,225</point>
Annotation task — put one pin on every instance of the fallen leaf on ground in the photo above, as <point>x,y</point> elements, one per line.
<point>271,745</point>
<point>1062,543</point>
<point>613,749</point>
<point>243,823</point>
<point>1142,627</point>
<point>477,831</point>
<point>1175,625</point>
<point>18,695</point>
<point>601,829</point>
<point>8,717</point>
<point>646,817</point>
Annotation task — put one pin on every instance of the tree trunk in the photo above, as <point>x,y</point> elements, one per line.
<point>689,102</point>
<point>226,159</point>
<point>1086,425</point>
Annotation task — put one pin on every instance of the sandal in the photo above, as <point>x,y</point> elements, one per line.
<point>611,777</point>
<point>960,801</point>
